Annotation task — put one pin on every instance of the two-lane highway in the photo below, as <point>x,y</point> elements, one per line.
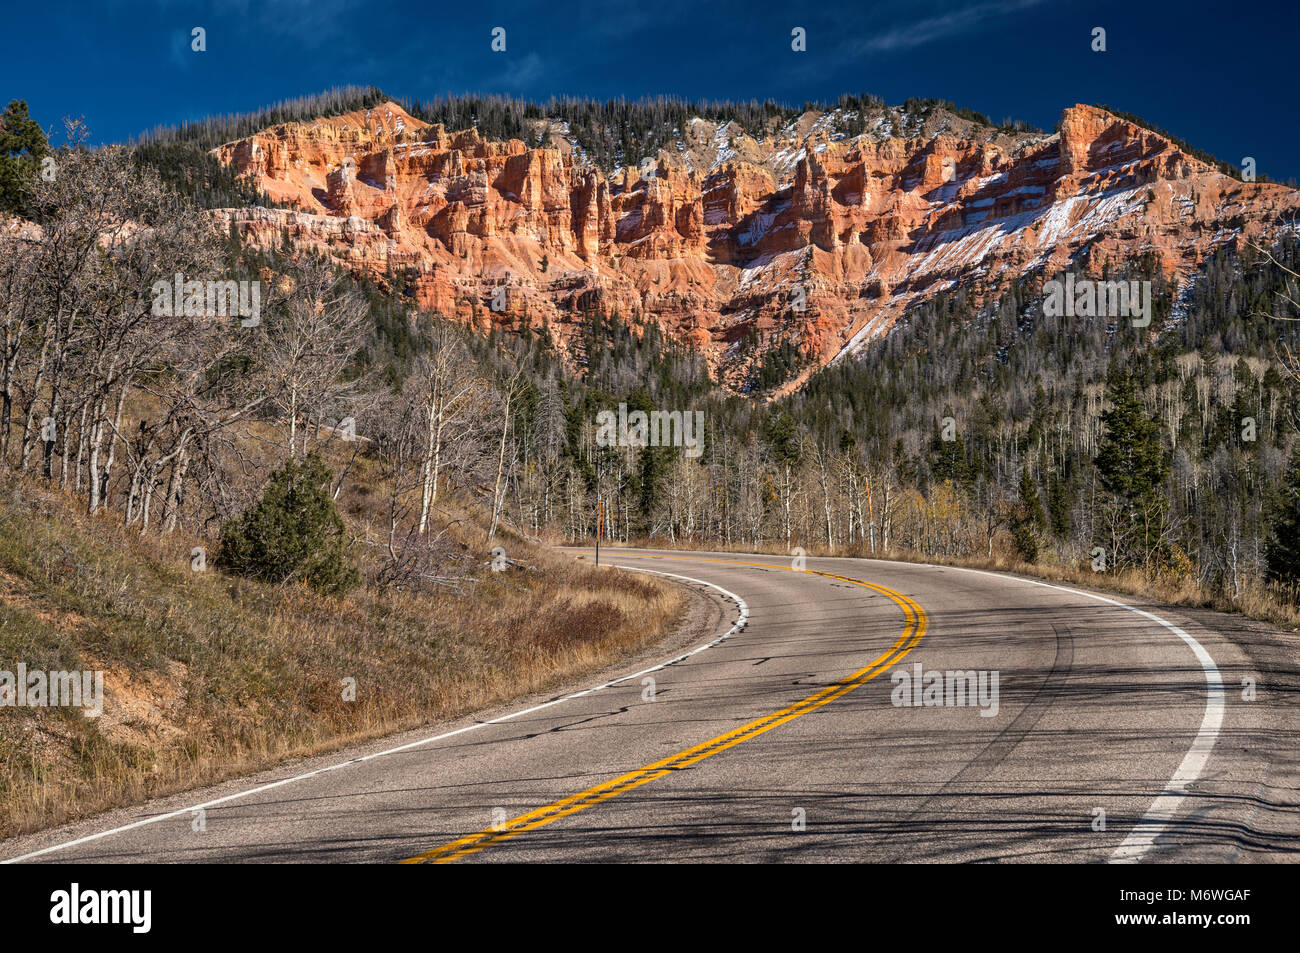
<point>1049,723</point>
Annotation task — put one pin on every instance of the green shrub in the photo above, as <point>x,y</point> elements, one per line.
<point>293,534</point>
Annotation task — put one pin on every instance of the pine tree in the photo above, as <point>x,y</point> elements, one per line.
<point>1132,465</point>
<point>1283,547</point>
<point>1028,521</point>
<point>948,458</point>
<point>293,534</point>
<point>1131,459</point>
<point>1058,505</point>
<point>22,146</point>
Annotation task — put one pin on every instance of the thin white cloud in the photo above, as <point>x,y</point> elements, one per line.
<point>312,24</point>
<point>939,27</point>
<point>180,52</point>
<point>520,73</point>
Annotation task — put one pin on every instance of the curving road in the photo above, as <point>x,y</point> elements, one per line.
<point>1119,732</point>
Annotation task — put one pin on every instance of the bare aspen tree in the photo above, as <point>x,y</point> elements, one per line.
<point>511,390</point>
<point>315,325</point>
<point>447,389</point>
<point>824,466</point>
<point>18,318</point>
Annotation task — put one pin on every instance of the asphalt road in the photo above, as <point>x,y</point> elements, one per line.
<point>1118,732</point>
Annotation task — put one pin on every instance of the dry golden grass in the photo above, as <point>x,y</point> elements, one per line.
<point>209,676</point>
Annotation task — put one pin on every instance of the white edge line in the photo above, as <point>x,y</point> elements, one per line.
<point>1164,808</point>
<point>739,624</point>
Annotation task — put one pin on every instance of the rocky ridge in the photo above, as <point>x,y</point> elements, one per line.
<point>733,243</point>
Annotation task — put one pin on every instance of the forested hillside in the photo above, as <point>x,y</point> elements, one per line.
<point>966,432</point>
<point>972,430</point>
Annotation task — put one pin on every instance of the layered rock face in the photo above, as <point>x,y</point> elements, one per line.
<point>805,236</point>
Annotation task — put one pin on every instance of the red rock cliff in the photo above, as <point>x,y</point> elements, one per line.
<point>729,236</point>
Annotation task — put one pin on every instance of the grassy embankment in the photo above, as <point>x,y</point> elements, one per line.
<point>209,676</point>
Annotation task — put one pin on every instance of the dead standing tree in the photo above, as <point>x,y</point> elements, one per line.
<point>85,325</point>
<point>446,387</point>
<point>315,324</point>
<point>511,390</point>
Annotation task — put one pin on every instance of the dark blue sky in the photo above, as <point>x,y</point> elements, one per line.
<point>1221,76</point>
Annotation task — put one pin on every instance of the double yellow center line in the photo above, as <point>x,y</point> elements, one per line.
<point>912,633</point>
